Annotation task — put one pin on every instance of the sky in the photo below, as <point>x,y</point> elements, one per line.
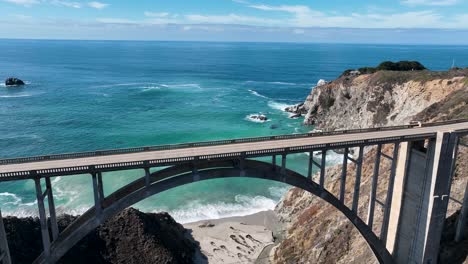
<point>332,21</point>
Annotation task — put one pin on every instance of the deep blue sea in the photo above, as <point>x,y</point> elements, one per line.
<point>88,95</point>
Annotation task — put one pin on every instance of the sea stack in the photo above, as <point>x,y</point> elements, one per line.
<point>13,82</point>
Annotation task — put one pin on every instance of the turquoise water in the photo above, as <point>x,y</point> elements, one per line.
<point>88,95</point>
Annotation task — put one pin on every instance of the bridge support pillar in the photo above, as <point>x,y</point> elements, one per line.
<point>43,219</point>
<point>4,251</point>
<point>420,199</point>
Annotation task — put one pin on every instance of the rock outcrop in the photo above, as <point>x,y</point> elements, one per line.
<point>13,82</point>
<point>380,99</point>
<point>318,233</point>
<point>129,237</point>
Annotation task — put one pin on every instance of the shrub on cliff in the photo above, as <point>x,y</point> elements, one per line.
<point>400,66</point>
<point>389,66</point>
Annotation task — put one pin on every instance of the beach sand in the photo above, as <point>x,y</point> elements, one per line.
<point>240,239</point>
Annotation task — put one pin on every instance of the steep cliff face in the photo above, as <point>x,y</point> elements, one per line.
<point>318,233</point>
<point>379,99</point>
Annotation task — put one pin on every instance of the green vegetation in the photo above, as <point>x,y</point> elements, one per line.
<point>389,66</point>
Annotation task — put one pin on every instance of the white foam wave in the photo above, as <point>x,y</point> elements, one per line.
<point>277,106</point>
<point>15,95</point>
<point>278,192</point>
<point>321,82</point>
<point>13,199</point>
<point>243,205</point>
<point>252,118</point>
<point>277,83</point>
<point>257,94</point>
<point>187,85</point>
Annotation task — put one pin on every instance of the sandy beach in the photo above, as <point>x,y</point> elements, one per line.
<point>242,239</point>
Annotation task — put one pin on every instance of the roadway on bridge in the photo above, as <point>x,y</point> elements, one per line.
<point>223,149</point>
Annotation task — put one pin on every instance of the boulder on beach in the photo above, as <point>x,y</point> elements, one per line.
<point>13,82</point>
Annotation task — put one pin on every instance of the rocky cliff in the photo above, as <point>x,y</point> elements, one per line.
<point>129,237</point>
<point>318,233</point>
<point>380,99</point>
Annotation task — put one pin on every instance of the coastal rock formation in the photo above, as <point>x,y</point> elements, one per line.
<point>380,99</point>
<point>129,237</point>
<point>13,82</point>
<point>318,233</point>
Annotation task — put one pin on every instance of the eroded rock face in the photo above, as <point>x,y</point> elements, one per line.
<point>380,99</point>
<point>129,237</point>
<point>13,82</point>
<point>318,233</point>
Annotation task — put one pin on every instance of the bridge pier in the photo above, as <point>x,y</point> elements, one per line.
<point>43,219</point>
<point>343,175</point>
<point>420,199</point>
<point>373,193</point>
<point>4,251</point>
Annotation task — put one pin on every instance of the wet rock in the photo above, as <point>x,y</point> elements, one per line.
<point>259,117</point>
<point>13,82</point>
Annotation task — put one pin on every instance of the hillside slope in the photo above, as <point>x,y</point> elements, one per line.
<point>318,233</point>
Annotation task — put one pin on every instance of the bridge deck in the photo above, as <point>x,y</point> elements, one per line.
<point>226,148</point>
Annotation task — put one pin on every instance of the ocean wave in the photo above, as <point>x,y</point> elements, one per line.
<point>331,159</point>
<point>13,199</point>
<point>255,120</point>
<point>277,106</point>
<point>277,83</point>
<point>257,94</point>
<point>15,95</point>
<point>242,205</point>
<point>278,192</point>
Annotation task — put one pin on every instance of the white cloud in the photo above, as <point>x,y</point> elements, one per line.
<point>230,19</point>
<point>26,3</point>
<point>304,16</point>
<point>156,14</point>
<point>429,2</point>
<point>66,3</point>
<point>121,21</point>
<point>97,5</point>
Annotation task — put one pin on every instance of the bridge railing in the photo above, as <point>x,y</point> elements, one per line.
<point>208,143</point>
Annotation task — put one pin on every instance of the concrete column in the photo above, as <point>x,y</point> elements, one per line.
<point>389,199</point>
<point>322,168</point>
<point>357,183</point>
<point>397,196</point>
<point>444,163</point>
<point>283,163</point>
<point>4,251</point>
<point>311,163</point>
<point>97,200</point>
<point>343,175</point>
<point>373,193</point>
<point>53,216</point>
<point>147,177</point>
<point>43,219</point>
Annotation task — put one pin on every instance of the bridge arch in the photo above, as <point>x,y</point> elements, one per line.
<point>183,174</point>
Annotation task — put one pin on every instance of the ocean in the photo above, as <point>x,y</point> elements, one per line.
<point>89,95</point>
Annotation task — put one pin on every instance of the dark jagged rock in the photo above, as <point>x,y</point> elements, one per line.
<point>129,237</point>
<point>259,117</point>
<point>13,82</point>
